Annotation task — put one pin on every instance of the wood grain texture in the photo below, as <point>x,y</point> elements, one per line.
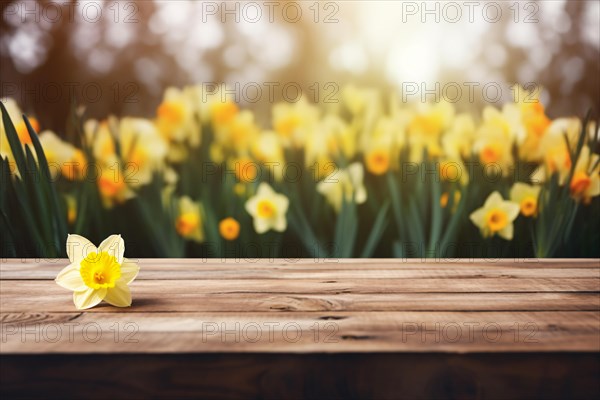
<point>306,329</point>
<point>393,376</point>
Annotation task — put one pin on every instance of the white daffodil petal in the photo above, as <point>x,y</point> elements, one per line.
<point>282,203</point>
<point>261,225</point>
<point>494,199</point>
<point>265,190</point>
<point>280,224</point>
<point>78,248</point>
<point>119,296</point>
<point>70,278</point>
<point>113,245</point>
<point>251,206</point>
<point>507,232</point>
<point>129,271</point>
<point>360,196</point>
<point>518,191</point>
<point>88,298</point>
<point>477,217</point>
<point>511,209</point>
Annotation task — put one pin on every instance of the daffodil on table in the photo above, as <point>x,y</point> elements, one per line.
<point>98,274</point>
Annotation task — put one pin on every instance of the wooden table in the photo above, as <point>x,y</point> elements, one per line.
<point>306,329</point>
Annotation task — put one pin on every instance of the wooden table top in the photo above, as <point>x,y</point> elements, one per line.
<point>340,306</point>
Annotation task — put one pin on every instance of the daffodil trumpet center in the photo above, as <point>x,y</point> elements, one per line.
<point>100,270</point>
<point>580,183</point>
<point>496,220</point>
<point>266,209</point>
<point>528,206</point>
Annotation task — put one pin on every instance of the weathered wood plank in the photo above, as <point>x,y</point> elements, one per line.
<point>31,288</point>
<point>301,332</point>
<point>30,265</point>
<point>192,271</point>
<point>56,299</point>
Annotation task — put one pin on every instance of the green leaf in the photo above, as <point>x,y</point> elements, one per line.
<point>377,231</point>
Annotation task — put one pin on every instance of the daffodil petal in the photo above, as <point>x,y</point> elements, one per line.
<point>511,209</point>
<point>78,248</point>
<point>477,217</point>
<point>507,232</point>
<point>280,224</point>
<point>70,278</point>
<point>88,298</point>
<point>113,245</point>
<point>261,225</point>
<point>119,296</point>
<point>493,199</point>
<point>251,205</point>
<point>129,271</point>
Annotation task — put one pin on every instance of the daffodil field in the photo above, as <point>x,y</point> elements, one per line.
<point>368,176</point>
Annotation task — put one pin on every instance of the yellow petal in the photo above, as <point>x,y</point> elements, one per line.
<point>477,217</point>
<point>129,271</point>
<point>119,296</point>
<point>507,232</point>
<point>88,298</point>
<point>78,247</point>
<point>70,278</point>
<point>113,245</point>
<point>511,209</point>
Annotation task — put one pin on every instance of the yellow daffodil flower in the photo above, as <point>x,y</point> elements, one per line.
<point>357,100</point>
<point>175,116</point>
<point>189,220</point>
<point>143,150</point>
<point>113,186</point>
<point>238,134</point>
<point>15,115</point>
<point>229,228</point>
<point>97,274</point>
<point>246,170</point>
<point>378,161</point>
<point>331,139</point>
<point>527,197</point>
<point>293,122</point>
<point>496,216</point>
<point>494,148</point>
<point>585,183</point>
<point>62,157</point>
<point>268,209</point>
<point>344,184</point>
<point>458,141</point>
<point>268,149</point>
<point>426,127</point>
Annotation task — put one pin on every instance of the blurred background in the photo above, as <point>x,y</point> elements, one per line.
<point>118,57</point>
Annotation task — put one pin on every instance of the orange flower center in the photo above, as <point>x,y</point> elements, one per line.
<point>496,220</point>
<point>286,126</point>
<point>171,112</point>
<point>378,162</point>
<point>266,209</point>
<point>580,183</point>
<point>528,206</point>
<point>109,186</point>
<point>187,223</point>
<point>229,229</point>
<point>490,154</point>
<point>223,113</point>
